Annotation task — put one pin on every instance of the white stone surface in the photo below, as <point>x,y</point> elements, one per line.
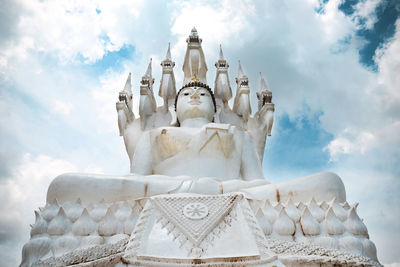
<point>163,225</point>
<point>200,146</point>
<point>286,236</point>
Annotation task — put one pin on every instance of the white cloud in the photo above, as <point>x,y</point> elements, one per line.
<point>380,116</point>
<point>226,20</point>
<point>388,81</point>
<point>302,54</point>
<point>62,107</point>
<point>365,15</point>
<point>70,29</point>
<point>353,144</point>
<point>94,169</point>
<point>20,195</point>
<point>110,84</point>
<point>335,25</point>
<point>377,193</point>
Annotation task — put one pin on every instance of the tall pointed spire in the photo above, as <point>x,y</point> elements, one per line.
<point>149,69</point>
<point>221,55</point>
<point>147,103</point>
<point>264,95</point>
<point>240,71</point>
<point>167,84</point>
<point>241,104</point>
<point>222,87</point>
<point>124,106</point>
<point>128,85</point>
<point>194,63</point>
<point>262,85</point>
<point>147,78</point>
<point>168,55</point>
<point>194,32</point>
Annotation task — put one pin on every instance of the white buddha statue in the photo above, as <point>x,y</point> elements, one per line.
<point>198,147</point>
<point>201,146</point>
<point>194,149</point>
<point>198,156</point>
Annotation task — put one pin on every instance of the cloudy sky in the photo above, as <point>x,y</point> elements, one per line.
<point>333,67</point>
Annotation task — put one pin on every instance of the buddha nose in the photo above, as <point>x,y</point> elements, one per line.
<point>195,95</point>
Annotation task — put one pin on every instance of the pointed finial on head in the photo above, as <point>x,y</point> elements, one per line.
<point>221,55</point>
<point>168,55</point>
<point>194,31</point>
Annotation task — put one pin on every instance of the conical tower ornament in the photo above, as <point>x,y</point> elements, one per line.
<point>194,32</point>
<point>147,78</point>
<point>149,69</point>
<point>221,54</point>
<point>167,88</point>
<point>147,104</point>
<point>124,106</point>
<point>264,95</point>
<point>168,55</point>
<point>262,84</point>
<point>240,71</point>
<point>194,62</point>
<point>241,104</point>
<point>222,87</point>
<point>128,85</point>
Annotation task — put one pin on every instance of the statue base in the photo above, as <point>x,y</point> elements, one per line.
<point>194,230</point>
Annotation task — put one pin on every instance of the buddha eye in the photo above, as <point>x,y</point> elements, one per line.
<point>203,94</point>
<point>185,93</point>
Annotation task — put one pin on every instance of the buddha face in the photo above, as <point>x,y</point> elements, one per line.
<point>194,102</point>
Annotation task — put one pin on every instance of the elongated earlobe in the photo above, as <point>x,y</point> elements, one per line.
<point>216,116</point>
<point>174,119</point>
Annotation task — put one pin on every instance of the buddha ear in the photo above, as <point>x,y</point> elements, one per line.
<point>174,119</point>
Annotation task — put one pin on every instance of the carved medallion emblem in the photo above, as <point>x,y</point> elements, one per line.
<point>195,216</point>
<point>195,211</point>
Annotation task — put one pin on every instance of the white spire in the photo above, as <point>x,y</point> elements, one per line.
<point>240,71</point>
<point>194,62</point>
<point>194,32</point>
<point>221,55</point>
<point>222,87</point>
<point>167,62</point>
<point>148,71</point>
<point>264,95</point>
<point>168,55</point>
<point>262,86</point>
<point>128,85</point>
<point>167,84</point>
<point>147,104</point>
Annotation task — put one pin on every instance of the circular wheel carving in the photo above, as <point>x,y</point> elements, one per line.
<point>195,211</point>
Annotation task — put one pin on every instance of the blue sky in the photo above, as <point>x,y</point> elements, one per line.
<point>332,67</point>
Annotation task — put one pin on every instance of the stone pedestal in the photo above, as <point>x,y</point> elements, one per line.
<point>197,229</point>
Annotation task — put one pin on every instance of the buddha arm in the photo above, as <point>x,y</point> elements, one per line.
<point>250,164</point>
<point>142,160</point>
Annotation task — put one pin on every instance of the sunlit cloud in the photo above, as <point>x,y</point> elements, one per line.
<point>63,63</point>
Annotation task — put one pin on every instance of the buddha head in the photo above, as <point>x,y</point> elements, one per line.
<point>195,100</point>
